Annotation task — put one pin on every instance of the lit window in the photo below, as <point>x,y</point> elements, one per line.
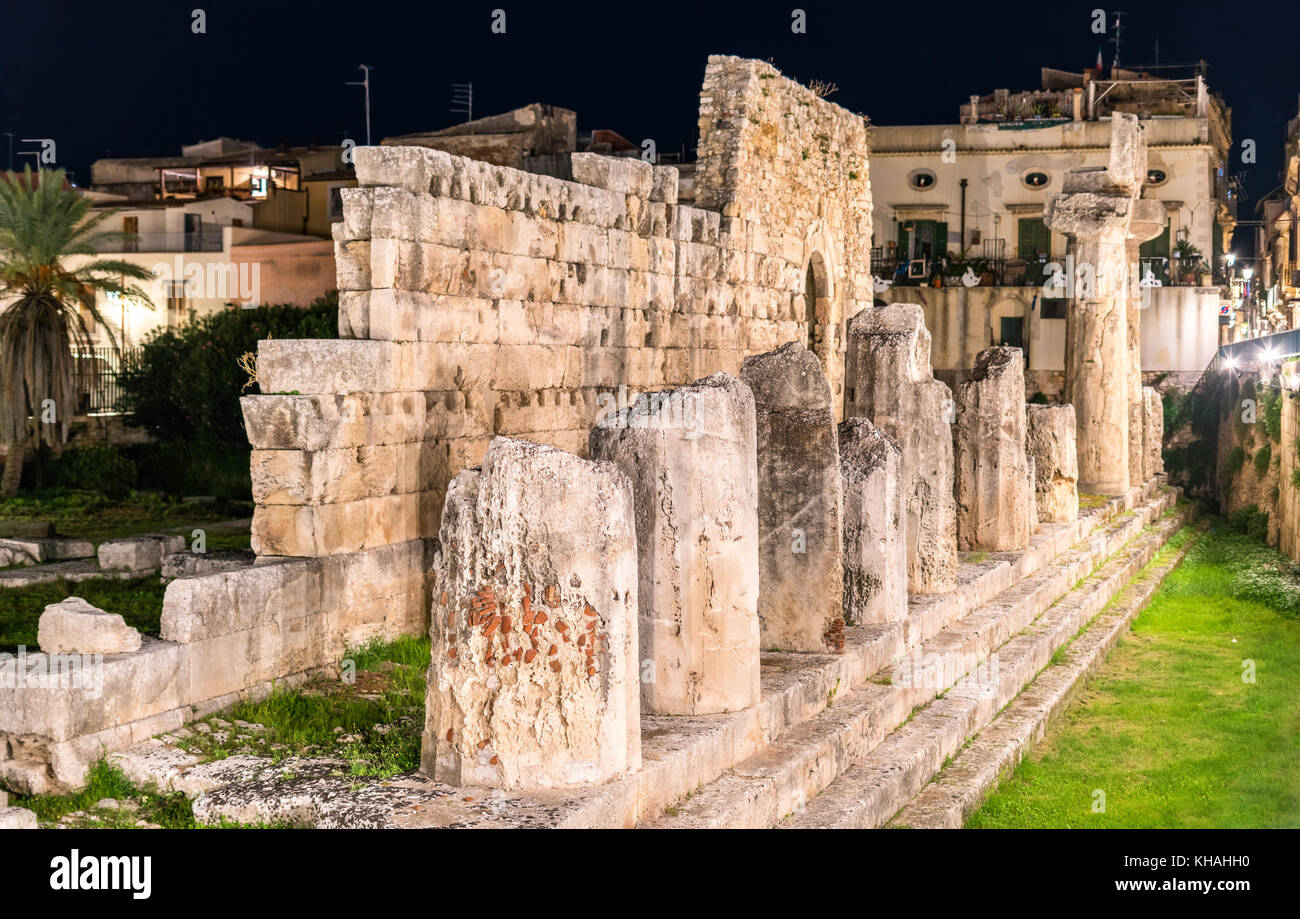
<point>921,179</point>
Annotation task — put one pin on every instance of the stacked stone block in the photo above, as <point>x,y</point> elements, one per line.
<point>690,455</point>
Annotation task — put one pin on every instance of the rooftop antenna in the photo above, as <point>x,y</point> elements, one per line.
<point>462,99</point>
<point>1114,66</point>
<point>366,83</point>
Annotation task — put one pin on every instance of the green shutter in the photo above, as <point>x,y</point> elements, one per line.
<point>1156,248</point>
<point>1034,237</point>
<point>940,239</point>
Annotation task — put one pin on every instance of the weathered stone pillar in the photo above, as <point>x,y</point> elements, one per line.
<point>800,575</point>
<point>1148,221</point>
<point>892,386</point>
<point>690,455</point>
<point>992,476</point>
<point>1094,209</point>
<point>1050,443</point>
<point>534,677</point>
<point>875,525</point>
<point>1153,433</point>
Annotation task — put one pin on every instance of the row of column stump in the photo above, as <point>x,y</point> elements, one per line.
<point>712,522</point>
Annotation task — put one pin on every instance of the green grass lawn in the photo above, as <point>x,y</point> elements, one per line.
<point>138,601</point>
<point>1167,728</point>
<point>94,516</point>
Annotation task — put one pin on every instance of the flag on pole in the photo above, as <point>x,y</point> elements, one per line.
<point>1099,63</point>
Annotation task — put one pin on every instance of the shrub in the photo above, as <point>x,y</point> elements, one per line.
<point>1232,465</point>
<point>97,467</point>
<point>1251,521</point>
<point>185,386</point>
<point>1270,412</point>
<point>1038,398</point>
<point>1263,456</point>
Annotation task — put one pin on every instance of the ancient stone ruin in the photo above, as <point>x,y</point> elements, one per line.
<point>1105,217</point>
<point>586,439</point>
<point>875,524</point>
<point>535,677</point>
<point>892,386</point>
<point>994,486</point>
<point>1050,443</point>
<point>800,575</point>
<point>697,538</point>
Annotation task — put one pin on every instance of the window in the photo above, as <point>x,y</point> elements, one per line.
<point>921,179</point>
<point>1157,177</point>
<point>214,185</point>
<point>336,203</point>
<point>1013,331</point>
<point>1036,179</point>
<point>131,226</point>
<point>1035,239</point>
<point>922,239</point>
<point>175,303</point>
<point>1053,308</point>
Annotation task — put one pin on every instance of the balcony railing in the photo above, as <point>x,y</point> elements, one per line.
<point>202,241</point>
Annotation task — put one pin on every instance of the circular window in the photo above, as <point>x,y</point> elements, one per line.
<point>1156,177</point>
<point>1036,179</point>
<point>921,179</point>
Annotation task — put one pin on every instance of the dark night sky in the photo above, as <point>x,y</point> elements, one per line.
<point>132,79</point>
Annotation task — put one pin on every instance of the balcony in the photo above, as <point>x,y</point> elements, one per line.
<point>202,241</point>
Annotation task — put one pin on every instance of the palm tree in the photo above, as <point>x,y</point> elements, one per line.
<point>44,305</point>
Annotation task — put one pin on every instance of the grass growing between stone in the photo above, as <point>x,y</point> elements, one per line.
<point>371,717</point>
<point>138,601</point>
<point>1168,729</point>
<point>112,801</point>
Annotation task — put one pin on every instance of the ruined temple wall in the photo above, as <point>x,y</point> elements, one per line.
<point>478,300</point>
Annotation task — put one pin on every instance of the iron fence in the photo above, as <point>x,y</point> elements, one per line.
<point>101,371</point>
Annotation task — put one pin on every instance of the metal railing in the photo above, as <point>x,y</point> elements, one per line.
<point>202,241</point>
<point>101,370</point>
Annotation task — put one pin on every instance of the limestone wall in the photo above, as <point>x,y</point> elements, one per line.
<point>478,300</point>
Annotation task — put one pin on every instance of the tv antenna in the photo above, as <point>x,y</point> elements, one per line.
<point>462,99</point>
<point>366,83</point>
<point>1118,14</point>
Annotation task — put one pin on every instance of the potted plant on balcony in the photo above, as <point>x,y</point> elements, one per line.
<point>1189,260</point>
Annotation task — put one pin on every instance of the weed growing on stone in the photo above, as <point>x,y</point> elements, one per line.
<point>110,800</point>
<point>373,722</point>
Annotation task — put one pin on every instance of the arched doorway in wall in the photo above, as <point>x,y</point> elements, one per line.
<point>817,308</point>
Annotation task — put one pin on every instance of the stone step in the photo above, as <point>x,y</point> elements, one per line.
<point>880,784</point>
<point>978,582</point>
<point>681,754</point>
<point>783,776</point>
<point>961,787</point>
